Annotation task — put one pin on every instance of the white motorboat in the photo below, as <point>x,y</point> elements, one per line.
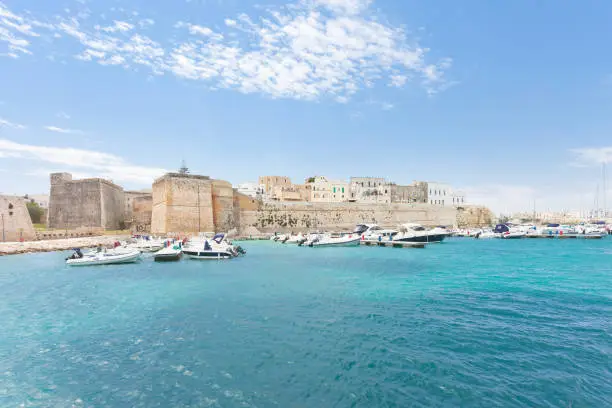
<point>146,244</point>
<point>310,238</point>
<point>104,257</point>
<point>417,233</point>
<point>214,248</point>
<point>339,240</point>
<point>486,234</point>
<point>168,254</point>
<point>508,231</point>
<point>381,235</point>
<point>295,239</point>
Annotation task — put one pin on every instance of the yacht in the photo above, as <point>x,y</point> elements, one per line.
<point>417,233</point>
<point>339,240</point>
<point>214,248</point>
<point>295,239</point>
<point>508,231</point>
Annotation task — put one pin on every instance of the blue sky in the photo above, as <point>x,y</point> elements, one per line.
<point>509,101</point>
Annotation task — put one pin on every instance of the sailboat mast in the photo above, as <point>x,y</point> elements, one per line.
<point>605,207</point>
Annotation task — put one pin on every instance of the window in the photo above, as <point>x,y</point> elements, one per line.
<point>10,206</point>
<point>334,189</point>
<point>343,190</point>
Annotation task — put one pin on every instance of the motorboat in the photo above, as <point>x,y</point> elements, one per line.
<point>338,240</point>
<point>417,233</point>
<point>169,253</point>
<point>380,235</point>
<point>486,234</point>
<point>295,239</point>
<point>146,244</point>
<point>507,231</point>
<point>310,238</point>
<point>214,248</point>
<point>104,257</point>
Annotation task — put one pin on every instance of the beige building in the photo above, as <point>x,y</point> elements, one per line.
<point>130,198</point>
<point>370,190</point>
<point>270,182</point>
<point>15,220</point>
<point>329,191</point>
<point>415,193</point>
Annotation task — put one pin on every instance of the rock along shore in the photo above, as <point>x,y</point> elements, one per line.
<point>12,248</point>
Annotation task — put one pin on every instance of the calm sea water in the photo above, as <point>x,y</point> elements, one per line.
<point>466,323</point>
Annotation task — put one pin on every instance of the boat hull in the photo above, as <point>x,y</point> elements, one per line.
<point>167,257</point>
<point>423,238</point>
<point>105,260</point>
<point>354,242</point>
<point>208,255</point>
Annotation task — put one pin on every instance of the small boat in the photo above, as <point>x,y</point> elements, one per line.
<point>214,248</point>
<point>336,240</point>
<point>508,231</point>
<point>104,257</point>
<point>168,254</point>
<point>486,235</point>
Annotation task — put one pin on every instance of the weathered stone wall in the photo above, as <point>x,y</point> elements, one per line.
<point>271,217</point>
<point>474,216</point>
<point>93,203</point>
<point>223,205</point>
<point>113,205</point>
<point>142,208</point>
<point>75,204</point>
<point>15,222</point>
<point>182,203</point>
<point>130,196</point>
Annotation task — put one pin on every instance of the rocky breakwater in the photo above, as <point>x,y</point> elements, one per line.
<point>12,248</point>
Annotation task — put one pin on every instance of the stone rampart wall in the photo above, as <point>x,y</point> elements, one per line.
<point>142,208</point>
<point>75,204</point>
<point>182,204</point>
<point>341,216</point>
<point>113,206</point>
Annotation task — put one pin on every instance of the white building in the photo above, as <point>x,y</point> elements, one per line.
<point>329,191</point>
<point>251,189</point>
<point>458,197</point>
<point>439,194</point>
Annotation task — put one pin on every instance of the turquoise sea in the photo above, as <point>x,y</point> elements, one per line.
<point>466,323</point>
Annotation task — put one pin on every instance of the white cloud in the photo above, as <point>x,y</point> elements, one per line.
<point>96,163</point>
<point>591,156</point>
<point>501,198</point>
<point>14,32</point>
<point>118,26</point>
<point>63,115</point>
<point>11,125</point>
<point>309,50</point>
<point>63,130</point>
<point>8,155</point>
<point>344,6</point>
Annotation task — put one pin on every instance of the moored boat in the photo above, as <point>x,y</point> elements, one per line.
<point>168,254</point>
<point>104,257</point>
<point>338,240</point>
<point>211,249</point>
<point>417,233</point>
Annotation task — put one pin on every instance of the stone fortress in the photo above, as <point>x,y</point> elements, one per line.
<point>183,203</point>
<point>87,203</point>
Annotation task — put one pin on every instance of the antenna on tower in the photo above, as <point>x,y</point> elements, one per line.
<point>184,169</point>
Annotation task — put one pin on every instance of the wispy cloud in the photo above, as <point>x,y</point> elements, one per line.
<point>11,125</point>
<point>63,115</point>
<point>63,130</point>
<point>591,156</point>
<point>96,163</point>
<point>502,198</point>
<point>15,33</point>
<point>308,50</point>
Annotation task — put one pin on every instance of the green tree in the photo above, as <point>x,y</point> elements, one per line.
<point>35,211</point>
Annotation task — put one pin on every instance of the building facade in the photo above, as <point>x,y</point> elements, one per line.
<point>15,220</point>
<point>329,191</point>
<point>370,190</point>
<point>89,203</point>
<point>130,198</point>
<point>415,193</point>
<point>253,190</point>
<point>269,182</point>
<point>440,194</point>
